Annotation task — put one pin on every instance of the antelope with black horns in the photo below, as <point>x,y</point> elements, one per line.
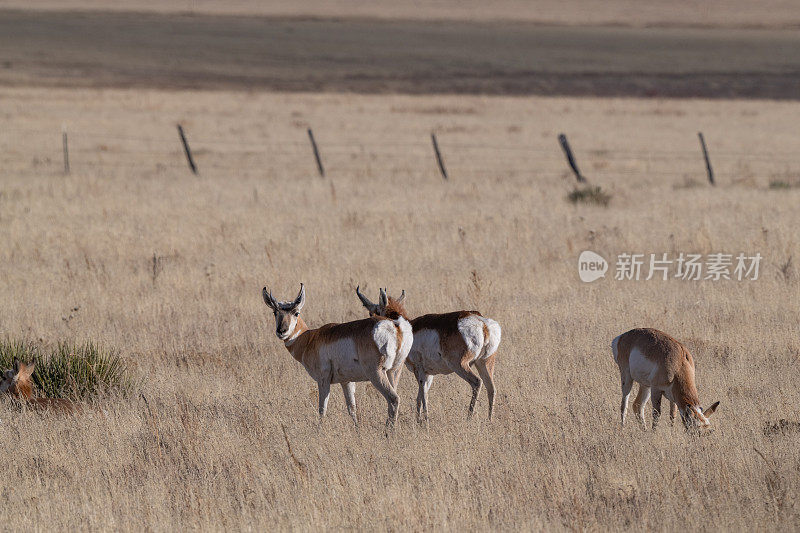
<point>362,350</point>
<point>444,344</point>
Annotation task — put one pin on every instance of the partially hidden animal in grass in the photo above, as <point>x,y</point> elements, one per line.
<point>371,350</point>
<point>444,344</point>
<point>663,367</point>
<point>18,383</point>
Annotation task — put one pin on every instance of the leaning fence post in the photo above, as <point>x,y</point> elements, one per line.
<point>708,161</point>
<point>187,150</point>
<point>66,148</point>
<point>439,159</point>
<point>316,153</point>
<point>570,158</point>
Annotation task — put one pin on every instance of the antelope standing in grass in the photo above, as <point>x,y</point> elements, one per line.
<point>443,344</point>
<point>663,367</point>
<point>363,350</point>
<point>18,382</point>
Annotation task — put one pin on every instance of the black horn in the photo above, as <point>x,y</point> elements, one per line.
<point>300,301</point>
<point>364,300</point>
<point>268,299</point>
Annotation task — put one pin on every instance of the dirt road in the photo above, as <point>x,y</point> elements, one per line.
<point>369,56</point>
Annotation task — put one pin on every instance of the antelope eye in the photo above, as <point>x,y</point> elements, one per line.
<point>296,313</point>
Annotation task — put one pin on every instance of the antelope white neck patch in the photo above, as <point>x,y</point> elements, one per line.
<point>293,338</point>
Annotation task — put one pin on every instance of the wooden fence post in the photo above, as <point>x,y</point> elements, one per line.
<point>570,158</point>
<point>186,149</point>
<point>708,161</point>
<point>439,159</point>
<point>66,148</point>
<point>316,153</point>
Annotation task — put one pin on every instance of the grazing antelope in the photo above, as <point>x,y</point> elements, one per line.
<point>443,344</point>
<point>662,366</point>
<point>19,384</point>
<point>363,350</point>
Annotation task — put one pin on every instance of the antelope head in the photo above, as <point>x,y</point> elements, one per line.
<point>8,380</point>
<point>386,305</point>
<point>286,313</point>
<point>694,417</point>
<point>18,382</point>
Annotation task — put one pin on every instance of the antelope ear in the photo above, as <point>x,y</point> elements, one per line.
<point>27,372</point>
<point>402,297</point>
<point>16,365</point>
<point>710,410</point>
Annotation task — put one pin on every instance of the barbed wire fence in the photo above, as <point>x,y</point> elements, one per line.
<point>437,155</point>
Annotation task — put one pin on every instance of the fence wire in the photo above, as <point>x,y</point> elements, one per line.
<point>106,150</point>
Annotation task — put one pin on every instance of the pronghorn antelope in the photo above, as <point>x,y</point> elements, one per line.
<point>19,384</point>
<point>662,366</point>
<point>363,350</point>
<point>445,343</point>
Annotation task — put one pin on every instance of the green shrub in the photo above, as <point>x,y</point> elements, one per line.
<point>76,371</point>
<point>589,194</point>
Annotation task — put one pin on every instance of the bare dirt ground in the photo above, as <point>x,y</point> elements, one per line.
<point>97,49</point>
<point>226,398</point>
<point>636,13</point>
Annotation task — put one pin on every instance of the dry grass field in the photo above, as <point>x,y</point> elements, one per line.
<point>210,448</point>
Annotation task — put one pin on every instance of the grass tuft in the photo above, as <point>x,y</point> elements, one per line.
<point>75,371</point>
<point>781,185</point>
<point>589,194</point>
<point>688,183</point>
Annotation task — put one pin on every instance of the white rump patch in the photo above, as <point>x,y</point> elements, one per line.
<point>408,340</point>
<point>471,329</point>
<point>478,343</point>
<point>385,336</point>
<point>643,370</point>
<point>493,340</point>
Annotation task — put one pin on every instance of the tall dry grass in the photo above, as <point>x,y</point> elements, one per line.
<point>207,445</point>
